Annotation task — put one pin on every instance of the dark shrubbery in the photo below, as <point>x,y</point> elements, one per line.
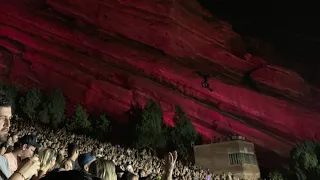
<point>184,134</point>
<point>30,103</point>
<point>55,105</point>
<point>275,176</point>
<point>305,160</point>
<point>79,123</point>
<point>43,117</point>
<point>102,127</point>
<point>150,130</point>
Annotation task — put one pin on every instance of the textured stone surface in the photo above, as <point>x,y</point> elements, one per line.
<point>108,54</point>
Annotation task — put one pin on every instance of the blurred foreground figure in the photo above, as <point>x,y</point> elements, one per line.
<point>32,165</point>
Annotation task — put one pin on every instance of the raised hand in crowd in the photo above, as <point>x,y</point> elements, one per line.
<point>170,163</point>
<point>28,170</point>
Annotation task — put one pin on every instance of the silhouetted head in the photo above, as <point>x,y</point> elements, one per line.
<point>69,175</point>
<point>129,176</point>
<point>73,152</point>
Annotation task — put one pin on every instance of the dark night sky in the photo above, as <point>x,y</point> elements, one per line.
<point>293,28</point>
<point>287,25</point>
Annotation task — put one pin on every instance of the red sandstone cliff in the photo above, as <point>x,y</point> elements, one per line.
<point>108,54</point>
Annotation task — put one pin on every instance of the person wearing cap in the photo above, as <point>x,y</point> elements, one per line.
<point>85,160</point>
<point>23,149</point>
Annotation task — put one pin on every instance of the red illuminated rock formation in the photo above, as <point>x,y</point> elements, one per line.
<point>108,54</point>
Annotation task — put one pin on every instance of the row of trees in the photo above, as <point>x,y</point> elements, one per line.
<point>151,132</point>
<point>304,163</point>
<point>146,128</point>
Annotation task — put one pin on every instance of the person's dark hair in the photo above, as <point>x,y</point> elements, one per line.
<point>29,140</point>
<point>118,169</point>
<point>5,101</point>
<point>140,172</point>
<point>68,175</point>
<point>127,176</point>
<point>72,148</point>
<point>18,145</point>
<point>95,151</point>
<point>9,149</point>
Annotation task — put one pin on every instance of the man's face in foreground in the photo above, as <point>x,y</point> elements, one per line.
<point>5,117</point>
